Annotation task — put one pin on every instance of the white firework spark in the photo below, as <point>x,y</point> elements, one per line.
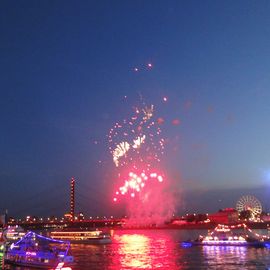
<point>120,150</point>
<point>148,112</point>
<point>137,142</point>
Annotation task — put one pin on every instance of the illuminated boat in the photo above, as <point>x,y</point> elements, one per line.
<point>13,233</point>
<point>83,237</point>
<point>39,252</point>
<point>222,235</point>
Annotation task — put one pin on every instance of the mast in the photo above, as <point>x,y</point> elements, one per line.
<point>72,198</point>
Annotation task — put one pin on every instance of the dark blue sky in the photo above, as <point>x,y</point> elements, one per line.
<point>67,65</point>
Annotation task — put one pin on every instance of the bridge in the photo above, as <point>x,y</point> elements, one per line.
<point>82,224</point>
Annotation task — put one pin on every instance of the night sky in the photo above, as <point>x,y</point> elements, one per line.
<point>68,74</point>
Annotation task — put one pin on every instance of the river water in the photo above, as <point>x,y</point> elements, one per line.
<point>160,249</point>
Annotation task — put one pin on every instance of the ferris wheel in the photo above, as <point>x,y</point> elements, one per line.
<point>251,203</point>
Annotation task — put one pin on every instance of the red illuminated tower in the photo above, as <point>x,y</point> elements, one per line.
<point>72,197</point>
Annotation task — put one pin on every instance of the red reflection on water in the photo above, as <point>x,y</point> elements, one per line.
<point>135,249</point>
<point>145,250</point>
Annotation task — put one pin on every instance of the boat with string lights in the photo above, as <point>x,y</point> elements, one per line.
<point>83,237</point>
<point>224,235</point>
<point>12,234</point>
<point>39,252</point>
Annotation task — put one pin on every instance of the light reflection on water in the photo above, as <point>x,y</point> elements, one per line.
<point>160,249</point>
<point>236,257</point>
<point>135,251</point>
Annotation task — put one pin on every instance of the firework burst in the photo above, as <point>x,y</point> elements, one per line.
<point>136,145</point>
<point>136,140</point>
<point>135,183</point>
